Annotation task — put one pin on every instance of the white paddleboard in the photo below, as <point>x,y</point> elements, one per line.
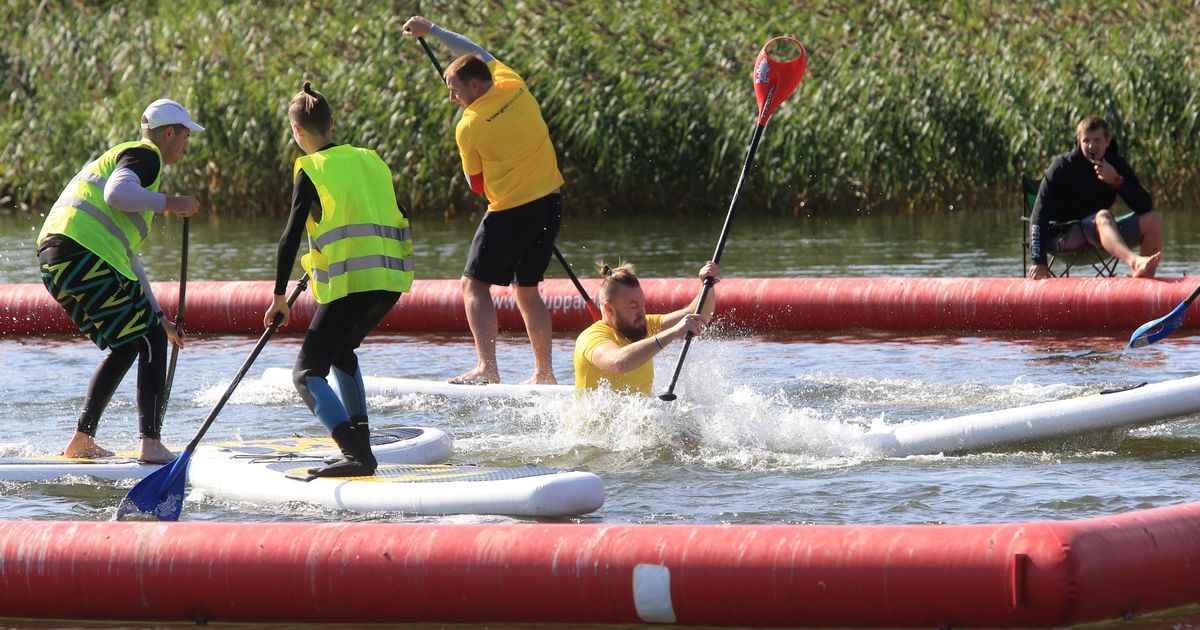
<point>405,445</point>
<point>394,386</point>
<point>411,489</point>
<point>1115,410</point>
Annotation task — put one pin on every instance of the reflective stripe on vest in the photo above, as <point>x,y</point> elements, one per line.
<point>363,262</point>
<point>80,203</point>
<point>93,178</point>
<point>361,230</point>
<point>362,241</point>
<point>104,219</point>
<point>81,213</point>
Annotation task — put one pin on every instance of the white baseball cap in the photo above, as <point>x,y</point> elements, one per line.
<point>164,111</point>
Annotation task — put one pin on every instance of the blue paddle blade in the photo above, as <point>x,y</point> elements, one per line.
<point>160,494</point>
<point>1156,330</point>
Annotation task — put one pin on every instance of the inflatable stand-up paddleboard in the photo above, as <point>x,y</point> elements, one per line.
<point>394,386</point>
<point>406,488</point>
<point>405,445</point>
<point>1120,409</point>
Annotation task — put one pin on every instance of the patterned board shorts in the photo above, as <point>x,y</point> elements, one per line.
<point>110,309</point>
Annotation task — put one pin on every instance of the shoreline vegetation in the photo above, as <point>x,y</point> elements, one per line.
<point>911,106</point>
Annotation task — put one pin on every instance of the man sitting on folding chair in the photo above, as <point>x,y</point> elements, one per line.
<point>1072,206</point>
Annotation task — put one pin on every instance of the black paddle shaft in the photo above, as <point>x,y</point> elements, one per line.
<point>574,279</point>
<point>708,282</point>
<point>183,266</point>
<point>1192,298</point>
<point>181,305</point>
<point>429,51</point>
<point>237,379</point>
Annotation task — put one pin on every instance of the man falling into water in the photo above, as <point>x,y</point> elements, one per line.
<point>619,350</point>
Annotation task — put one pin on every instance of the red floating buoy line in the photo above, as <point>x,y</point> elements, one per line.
<point>758,304</point>
<point>1036,574</point>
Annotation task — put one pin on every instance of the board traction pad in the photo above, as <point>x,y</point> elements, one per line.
<point>428,473</point>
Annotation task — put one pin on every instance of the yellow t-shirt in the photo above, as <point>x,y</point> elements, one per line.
<point>502,135</point>
<point>588,376</point>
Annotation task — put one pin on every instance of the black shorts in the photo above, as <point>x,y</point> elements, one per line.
<point>516,243</point>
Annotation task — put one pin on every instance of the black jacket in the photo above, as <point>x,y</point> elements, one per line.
<point>1071,191</point>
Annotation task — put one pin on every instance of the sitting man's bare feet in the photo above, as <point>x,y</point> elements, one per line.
<point>541,379</point>
<point>1145,266</point>
<point>153,452</point>
<point>84,446</point>
<point>478,376</point>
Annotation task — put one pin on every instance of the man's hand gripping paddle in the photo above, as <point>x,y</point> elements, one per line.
<point>774,81</point>
<point>1153,331</point>
<point>587,299</point>
<point>160,494</point>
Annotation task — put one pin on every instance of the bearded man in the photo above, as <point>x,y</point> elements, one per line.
<point>618,351</point>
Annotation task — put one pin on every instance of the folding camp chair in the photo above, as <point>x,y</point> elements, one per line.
<point>1101,261</point>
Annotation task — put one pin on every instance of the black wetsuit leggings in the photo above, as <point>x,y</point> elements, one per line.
<point>336,330</point>
<point>81,281</point>
<point>150,351</point>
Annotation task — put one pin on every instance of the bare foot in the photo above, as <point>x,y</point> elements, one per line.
<point>1145,266</point>
<point>541,379</point>
<point>478,376</point>
<point>84,446</point>
<point>153,452</point>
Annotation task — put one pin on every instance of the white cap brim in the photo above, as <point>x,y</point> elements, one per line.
<point>164,111</point>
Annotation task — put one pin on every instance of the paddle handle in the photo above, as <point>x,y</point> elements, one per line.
<point>301,285</point>
<point>775,80</point>
<point>708,282</point>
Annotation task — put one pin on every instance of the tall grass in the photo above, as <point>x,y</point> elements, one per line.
<point>912,104</point>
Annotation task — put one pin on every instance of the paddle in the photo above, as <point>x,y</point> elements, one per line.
<point>183,264</point>
<point>774,81</point>
<point>591,306</point>
<point>161,493</point>
<point>1153,331</point>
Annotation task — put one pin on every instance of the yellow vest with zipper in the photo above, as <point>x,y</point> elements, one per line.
<point>362,242</point>
<point>82,215</point>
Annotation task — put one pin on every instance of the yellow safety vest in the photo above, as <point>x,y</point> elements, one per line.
<point>82,214</point>
<point>362,242</point>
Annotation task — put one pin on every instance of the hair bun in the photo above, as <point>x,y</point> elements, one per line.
<point>605,270</point>
<point>307,87</point>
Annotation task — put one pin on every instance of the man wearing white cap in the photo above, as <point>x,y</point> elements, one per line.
<point>88,250</point>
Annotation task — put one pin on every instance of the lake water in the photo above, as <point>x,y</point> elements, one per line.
<point>938,242</point>
<point>777,420</point>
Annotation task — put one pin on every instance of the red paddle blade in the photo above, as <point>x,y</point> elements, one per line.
<point>774,80</point>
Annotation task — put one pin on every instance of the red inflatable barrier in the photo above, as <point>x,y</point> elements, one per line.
<point>1010,575</point>
<point>918,304</point>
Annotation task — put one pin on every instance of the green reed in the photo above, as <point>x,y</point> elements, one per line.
<point>920,105</point>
